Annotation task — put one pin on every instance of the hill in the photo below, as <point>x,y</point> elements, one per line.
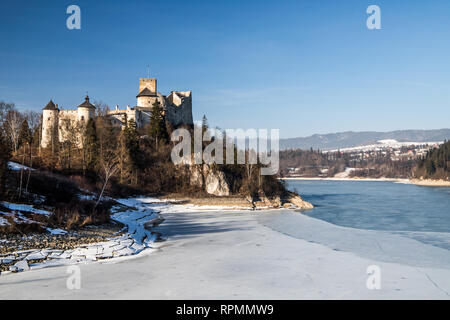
<point>350,139</point>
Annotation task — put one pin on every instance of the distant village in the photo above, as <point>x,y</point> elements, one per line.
<point>368,160</point>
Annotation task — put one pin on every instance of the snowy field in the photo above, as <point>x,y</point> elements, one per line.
<point>237,255</point>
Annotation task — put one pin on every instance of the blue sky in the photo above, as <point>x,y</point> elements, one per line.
<point>304,67</point>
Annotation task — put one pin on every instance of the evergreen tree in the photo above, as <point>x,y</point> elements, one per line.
<point>437,162</point>
<point>158,129</point>
<point>25,134</point>
<point>4,158</point>
<point>132,141</point>
<point>430,167</point>
<point>128,154</point>
<point>90,145</point>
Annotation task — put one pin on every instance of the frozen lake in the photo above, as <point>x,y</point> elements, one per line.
<point>277,254</point>
<point>387,221</point>
<point>377,205</point>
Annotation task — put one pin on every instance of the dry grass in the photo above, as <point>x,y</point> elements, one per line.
<point>79,213</point>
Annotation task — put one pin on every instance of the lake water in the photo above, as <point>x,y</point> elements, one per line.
<point>377,205</point>
<point>386,221</point>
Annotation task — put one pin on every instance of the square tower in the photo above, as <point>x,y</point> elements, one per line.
<point>149,83</point>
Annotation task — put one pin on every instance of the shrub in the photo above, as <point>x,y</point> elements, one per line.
<point>79,213</point>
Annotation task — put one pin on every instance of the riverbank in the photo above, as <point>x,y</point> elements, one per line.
<point>346,179</point>
<point>418,182</point>
<point>233,255</point>
<point>128,234</point>
<point>237,202</point>
<point>430,183</point>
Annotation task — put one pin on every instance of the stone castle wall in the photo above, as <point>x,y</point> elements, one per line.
<point>179,108</point>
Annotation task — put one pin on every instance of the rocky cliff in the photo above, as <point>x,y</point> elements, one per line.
<point>213,181</point>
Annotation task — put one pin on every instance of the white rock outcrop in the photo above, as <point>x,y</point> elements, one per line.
<point>196,176</point>
<point>213,181</point>
<point>216,184</point>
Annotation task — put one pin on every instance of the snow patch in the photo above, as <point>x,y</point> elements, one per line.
<point>3,221</point>
<point>25,208</point>
<point>386,143</point>
<point>345,173</point>
<point>17,167</point>
<point>56,231</point>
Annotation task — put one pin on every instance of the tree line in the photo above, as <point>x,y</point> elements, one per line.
<point>436,163</point>
<point>315,163</point>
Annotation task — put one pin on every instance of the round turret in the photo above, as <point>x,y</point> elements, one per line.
<point>86,110</point>
<point>49,122</point>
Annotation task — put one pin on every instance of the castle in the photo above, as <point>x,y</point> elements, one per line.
<point>177,107</point>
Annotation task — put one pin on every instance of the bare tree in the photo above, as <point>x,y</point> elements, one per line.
<point>101,108</point>
<point>34,119</point>
<point>71,136</point>
<point>13,123</point>
<point>4,109</point>
<point>250,163</point>
<point>109,164</point>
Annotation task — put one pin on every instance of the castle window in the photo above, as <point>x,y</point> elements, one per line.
<point>48,119</point>
<point>82,118</point>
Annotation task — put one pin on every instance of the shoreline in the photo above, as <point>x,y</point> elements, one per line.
<point>239,202</point>
<point>417,182</point>
<point>138,217</point>
<point>134,237</point>
<point>430,183</point>
<point>346,179</point>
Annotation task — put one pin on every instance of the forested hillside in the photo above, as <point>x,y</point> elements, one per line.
<point>436,164</point>
<point>315,163</point>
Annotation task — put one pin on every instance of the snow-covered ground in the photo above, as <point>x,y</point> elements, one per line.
<point>136,217</point>
<point>17,211</point>
<point>345,174</point>
<point>141,215</point>
<point>241,255</point>
<point>24,207</point>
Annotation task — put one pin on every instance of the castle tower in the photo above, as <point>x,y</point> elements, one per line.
<point>148,93</point>
<point>149,83</point>
<point>86,110</point>
<point>49,123</point>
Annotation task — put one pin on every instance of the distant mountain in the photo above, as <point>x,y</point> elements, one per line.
<point>353,139</point>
